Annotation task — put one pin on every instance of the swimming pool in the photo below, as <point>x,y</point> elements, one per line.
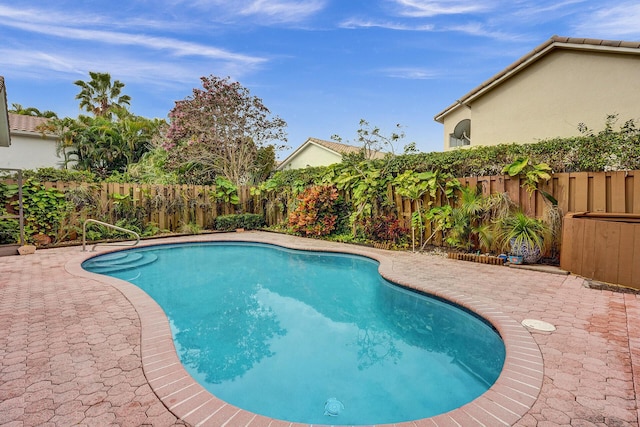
<point>267,337</point>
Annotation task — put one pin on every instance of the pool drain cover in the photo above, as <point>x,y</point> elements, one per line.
<point>332,407</point>
<point>538,325</point>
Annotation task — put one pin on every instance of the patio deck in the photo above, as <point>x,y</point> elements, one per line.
<point>76,351</point>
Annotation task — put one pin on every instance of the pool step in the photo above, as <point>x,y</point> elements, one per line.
<point>120,261</point>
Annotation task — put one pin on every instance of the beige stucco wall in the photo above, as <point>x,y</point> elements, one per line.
<point>29,152</point>
<point>312,155</point>
<point>552,96</point>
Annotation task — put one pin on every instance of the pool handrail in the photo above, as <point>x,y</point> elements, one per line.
<point>105,224</point>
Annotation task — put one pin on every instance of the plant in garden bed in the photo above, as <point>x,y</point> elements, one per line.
<point>315,214</point>
<point>414,186</point>
<point>9,231</point>
<point>523,235</point>
<point>384,229</point>
<point>472,224</point>
<point>468,230</point>
<point>368,187</point>
<point>191,228</point>
<point>235,221</point>
<point>43,208</point>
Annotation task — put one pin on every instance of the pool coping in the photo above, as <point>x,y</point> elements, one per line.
<point>507,400</point>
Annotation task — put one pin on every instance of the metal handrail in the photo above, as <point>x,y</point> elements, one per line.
<point>105,224</point>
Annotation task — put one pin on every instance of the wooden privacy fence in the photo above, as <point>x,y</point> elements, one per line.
<point>613,192</point>
<point>616,192</point>
<point>168,206</point>
<point>603,247</point>
<point>171,206</point>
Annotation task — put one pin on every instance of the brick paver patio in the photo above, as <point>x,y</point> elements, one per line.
<point>72,348</point>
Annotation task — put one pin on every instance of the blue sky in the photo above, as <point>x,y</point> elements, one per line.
<point>321,65</point>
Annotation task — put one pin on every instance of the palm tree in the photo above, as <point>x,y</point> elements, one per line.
<point>100,96</point>
<point>31,111</point>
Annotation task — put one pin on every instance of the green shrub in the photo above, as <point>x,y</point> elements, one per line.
<point>9,231</point>
<point>315,214</point>
<point>234,221</point>
<point>55,175</point>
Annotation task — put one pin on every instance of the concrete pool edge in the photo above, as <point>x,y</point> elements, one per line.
<point>508,400</point>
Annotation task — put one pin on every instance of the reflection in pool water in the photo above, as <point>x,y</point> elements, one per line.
<point>282,332</point>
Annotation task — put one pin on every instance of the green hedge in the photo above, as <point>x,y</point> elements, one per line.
<point>246,221</point>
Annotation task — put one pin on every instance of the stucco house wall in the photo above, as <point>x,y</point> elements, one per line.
<point>312,155</point>
<point>317,152</point>
<point>29,149</point>
<point>548,93</point>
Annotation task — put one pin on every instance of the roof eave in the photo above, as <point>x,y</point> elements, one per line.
<point>30,134</point>
<point>292,155</point>
<point>5,135</point>
<point>554,43</point>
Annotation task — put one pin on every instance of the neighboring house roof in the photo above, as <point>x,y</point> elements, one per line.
<point>5,138</point>
<point>23,123</point>
<point>344,148</point>
<point>332,147</point>
<point>556,42</point>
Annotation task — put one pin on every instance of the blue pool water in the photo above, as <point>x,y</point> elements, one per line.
<point>311,337</point>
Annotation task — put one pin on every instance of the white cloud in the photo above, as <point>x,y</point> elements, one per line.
<point>70,66</point>
<point>411,73</point>
<point>174,46</point>
<point>611,22</point>
<point>283,10</point>
<point>429,8</point>
<point>480,30</point>
<point>355,23</point>
<point>262,12</point>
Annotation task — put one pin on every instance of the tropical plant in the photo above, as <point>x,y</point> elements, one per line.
<point>532,174</point>
<point>414,186</point>
<point>368,187</point>
<point>226,191</point>
<point>468,230</point>
<point>43,208</point>
<point>191,228</point>
<point>384,228</point>
<point>100,96</point>
<point>9,230</point>
<point>101,145</point>
<point>219,130</point>
<point>31,111</point>
<point>523,235</point>
<point>315,214</point>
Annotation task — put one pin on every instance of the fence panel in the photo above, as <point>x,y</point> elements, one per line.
<point>603,247</point>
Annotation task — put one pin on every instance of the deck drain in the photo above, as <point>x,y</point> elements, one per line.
<point>538,325</point>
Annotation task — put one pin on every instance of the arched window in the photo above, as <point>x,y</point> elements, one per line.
<point>461,134</point>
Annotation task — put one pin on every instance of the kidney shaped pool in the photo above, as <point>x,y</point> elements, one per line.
<point>311,337</point>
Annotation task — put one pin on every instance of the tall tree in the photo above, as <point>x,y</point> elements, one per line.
<point>100,96</point>
<point>220,130</point>
<point>102,145</point>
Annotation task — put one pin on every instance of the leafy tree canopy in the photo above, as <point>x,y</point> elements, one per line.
<point>219,131</point>
<point>100,96</point>
<point>101,145</point>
